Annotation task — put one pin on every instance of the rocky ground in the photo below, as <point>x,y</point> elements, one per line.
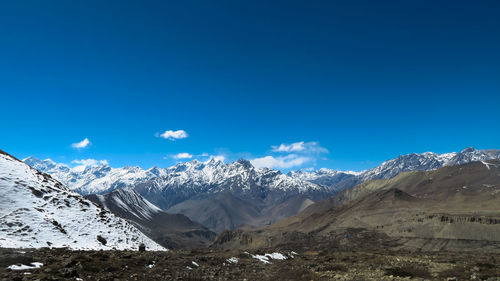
<point>61,264</point>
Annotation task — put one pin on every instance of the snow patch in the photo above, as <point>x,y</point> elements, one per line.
<point>486,164</point>
<point>266,258</point>
<point>276,256</point>
<point>25,267</point>
<point>262,258</point>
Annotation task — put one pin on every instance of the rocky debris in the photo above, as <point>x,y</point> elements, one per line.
<point>102,240</point>
<point>312,264</point>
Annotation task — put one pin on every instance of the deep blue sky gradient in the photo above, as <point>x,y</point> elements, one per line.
<point>368,80</point>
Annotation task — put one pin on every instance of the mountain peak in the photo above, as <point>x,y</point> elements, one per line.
<point>214,161</point>
<point>155,170</point>
<point>468,149</point>
<point>245,163</point>
<point>43,165</point>
<point>33,159</point>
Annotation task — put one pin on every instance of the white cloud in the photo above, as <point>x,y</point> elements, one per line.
<point>90,162</point>
<point>294,147</point>
<point>173,135</point>
<point>217,158</point>
<point>84,143</point>
<point>301,146</point>
<point>282,162</point>
<point>183,155</point>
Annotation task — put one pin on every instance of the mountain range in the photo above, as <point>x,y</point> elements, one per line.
<point>216,194</point>
<point>410,162</point>
<point>452,208</point>
<point>187,204</point>
<point>227,196</point>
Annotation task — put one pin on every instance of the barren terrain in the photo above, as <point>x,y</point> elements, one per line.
<point>60,264</point>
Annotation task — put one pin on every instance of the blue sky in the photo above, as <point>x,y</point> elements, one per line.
<point>351,83</point>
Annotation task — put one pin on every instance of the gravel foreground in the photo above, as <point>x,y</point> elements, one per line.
<point>62,264</point>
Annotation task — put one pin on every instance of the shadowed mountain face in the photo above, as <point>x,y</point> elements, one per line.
<point>219,213</point>
<point>226,211</point>
<point>169,230</point>
<point>452,208</point>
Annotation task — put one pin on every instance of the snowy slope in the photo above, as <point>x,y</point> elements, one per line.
<point>38,211</point>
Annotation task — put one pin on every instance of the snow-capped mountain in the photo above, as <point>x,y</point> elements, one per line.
<point>323,176</point>
<point>239,175</point>
<point>268,194</point>
<point>167,187</point>
<point>427,161</point>
<point>411,162</point>
<point>93,178</point>
<point>186,180</point>
<point>472,155</point>
<point>38,211</point>
<point>225,196</point>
